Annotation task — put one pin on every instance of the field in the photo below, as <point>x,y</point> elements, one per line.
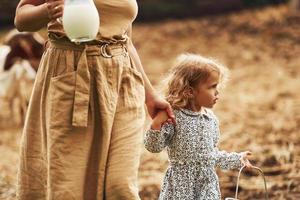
<point>259,110</point>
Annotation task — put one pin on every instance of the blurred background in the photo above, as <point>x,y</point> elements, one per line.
<point>259,110</point>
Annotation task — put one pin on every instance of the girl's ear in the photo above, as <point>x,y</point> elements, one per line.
<point>188,93</point>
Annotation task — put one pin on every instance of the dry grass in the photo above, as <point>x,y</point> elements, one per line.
<point>259,110</point>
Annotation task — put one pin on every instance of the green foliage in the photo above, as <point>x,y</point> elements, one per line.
<point>7,11</point>
<point>158,9</point>
<point>262,2</point>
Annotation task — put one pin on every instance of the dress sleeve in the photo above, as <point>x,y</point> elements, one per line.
<point>156,140</point>
<point>225,160</point>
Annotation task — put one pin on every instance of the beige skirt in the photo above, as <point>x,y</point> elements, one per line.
<point>83,131</point>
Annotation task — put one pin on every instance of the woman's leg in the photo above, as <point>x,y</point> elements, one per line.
<point>124,156</point>
<point>57,159</point>
<point>126,137</point>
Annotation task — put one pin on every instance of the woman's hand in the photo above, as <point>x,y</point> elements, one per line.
<point>159,120</point>
<point>32,15</point>
<point>156,104</point>
<point>245,159</point>
<point>55,8</point>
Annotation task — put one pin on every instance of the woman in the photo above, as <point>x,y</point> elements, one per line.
<point>83,131</point>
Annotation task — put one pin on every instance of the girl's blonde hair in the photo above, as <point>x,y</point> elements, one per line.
<point>189,70</point>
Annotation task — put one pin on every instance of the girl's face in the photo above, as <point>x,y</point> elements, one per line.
<point>205,94</point>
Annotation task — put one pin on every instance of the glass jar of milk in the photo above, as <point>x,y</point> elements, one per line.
<point>80,20</point>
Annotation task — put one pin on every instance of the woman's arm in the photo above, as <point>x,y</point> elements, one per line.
<point>153,101</point>
<point>32,15</point>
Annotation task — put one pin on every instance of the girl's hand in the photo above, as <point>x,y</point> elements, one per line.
<point>157,104</point>
<point>245,161</point>
<point>55,8</point>
<point>159,119</point>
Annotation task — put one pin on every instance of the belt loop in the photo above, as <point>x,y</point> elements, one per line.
<point>70,60</point>
<point>124,46</point>
<point>46,44</point>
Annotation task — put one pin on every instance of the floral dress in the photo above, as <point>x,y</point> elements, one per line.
<point>193,155</point>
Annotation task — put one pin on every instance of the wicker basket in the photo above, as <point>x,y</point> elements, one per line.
<point>237,184</point>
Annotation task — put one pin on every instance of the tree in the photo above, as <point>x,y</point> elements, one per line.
<point>295,5</point>
<point>7,12</point>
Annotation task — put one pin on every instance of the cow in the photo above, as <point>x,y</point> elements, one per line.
<point>19,59</point>
<point>24,46</point>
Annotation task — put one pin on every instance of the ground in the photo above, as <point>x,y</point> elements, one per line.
<point>259,110</point>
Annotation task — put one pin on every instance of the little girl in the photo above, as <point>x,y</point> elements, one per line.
<point>192,142</point>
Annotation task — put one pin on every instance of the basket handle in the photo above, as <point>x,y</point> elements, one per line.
<point>238,180</point>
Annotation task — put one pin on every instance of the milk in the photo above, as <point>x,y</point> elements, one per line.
<point>81,22</point>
